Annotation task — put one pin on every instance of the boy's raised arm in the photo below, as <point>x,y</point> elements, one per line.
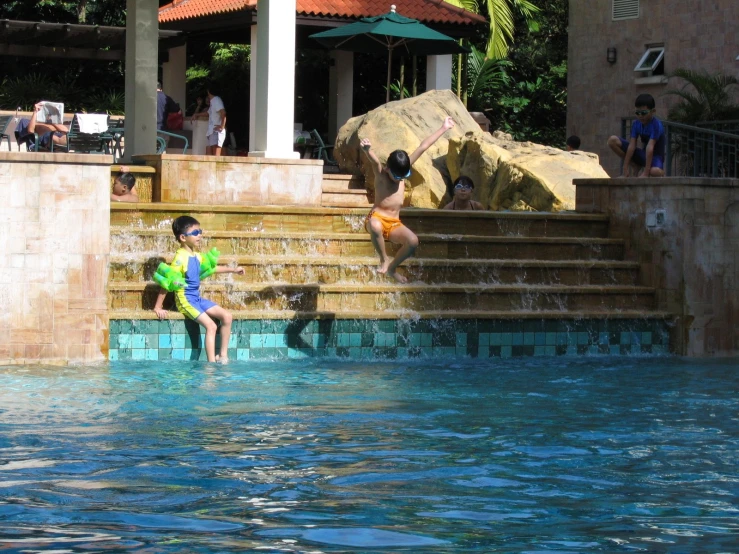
<point>367,147</point>
<point>431,139</point>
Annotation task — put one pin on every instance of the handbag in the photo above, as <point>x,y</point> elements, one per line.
<point>175,121</point>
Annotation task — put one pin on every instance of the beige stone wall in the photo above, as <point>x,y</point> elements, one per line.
<point>696,35</point>
<point>55,247</point>
<point>235,180</point>
<point>692,259</point>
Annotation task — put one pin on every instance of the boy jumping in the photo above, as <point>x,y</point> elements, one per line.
<point>651,158</point>
<point>383,221</point>
<point>187,267</point>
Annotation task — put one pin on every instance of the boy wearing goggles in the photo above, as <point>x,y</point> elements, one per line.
<point>462,195</point>
<point>651,158</point>
<point>187,261</point>
<point>383,221</point>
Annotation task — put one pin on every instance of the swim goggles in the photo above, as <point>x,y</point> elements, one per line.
<point>195,233</point>
<point>460,186</point>
<point>399,178</point>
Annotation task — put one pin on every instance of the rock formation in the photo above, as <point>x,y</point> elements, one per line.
<point>508,175</point>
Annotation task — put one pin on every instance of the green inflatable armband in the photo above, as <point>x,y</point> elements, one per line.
<point>209,263</point>
<point>168,278</point>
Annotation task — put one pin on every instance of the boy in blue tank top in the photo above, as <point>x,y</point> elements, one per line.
<point>650,158</point>
<point>187,266</point>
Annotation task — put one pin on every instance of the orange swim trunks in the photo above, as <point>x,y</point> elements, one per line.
<point>388,223</point>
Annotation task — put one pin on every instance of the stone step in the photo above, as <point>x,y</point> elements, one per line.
<point>291,315</point>
<point>348,198</point>
<point>146,243</point>
<point>334,270</point>
<point>342,181</point>
<point>351,220</point>
<point>394,297</point>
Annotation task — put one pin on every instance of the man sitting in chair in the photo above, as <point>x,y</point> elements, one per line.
<point>46,130</point>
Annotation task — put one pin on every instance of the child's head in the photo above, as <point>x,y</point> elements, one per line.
<point>123,184</point>
<point>644,105</point>
<point>187,230</point>
<point>399,165</point>
<point>573,143</point>
<point>463,187</point>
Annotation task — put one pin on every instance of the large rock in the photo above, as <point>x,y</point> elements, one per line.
<point>403,125</point>
<point>508,175</point>
<point>512,175</point>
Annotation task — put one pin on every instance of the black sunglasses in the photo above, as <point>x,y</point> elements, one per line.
<point>642,112</point>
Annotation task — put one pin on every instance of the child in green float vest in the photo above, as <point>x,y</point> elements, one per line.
<point>183,277</point>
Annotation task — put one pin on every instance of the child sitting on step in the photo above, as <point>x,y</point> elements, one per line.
<point>187,268</point>
<point>383,221</point>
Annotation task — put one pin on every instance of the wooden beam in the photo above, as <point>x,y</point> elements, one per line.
<point>60,52</point>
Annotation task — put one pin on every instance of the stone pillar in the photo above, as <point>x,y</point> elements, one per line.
<point>341,91</point>
<point>174,81</point>
<point>275,87</point>
<point>439,72</point>
<point>142,43</point>
<point>253,90</point>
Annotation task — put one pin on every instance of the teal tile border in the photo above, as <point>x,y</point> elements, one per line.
<point>365,339</point>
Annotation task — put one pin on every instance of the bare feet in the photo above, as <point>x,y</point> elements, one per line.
<point>397,276</point>
<point>221,360</point>
<point>384,266</point>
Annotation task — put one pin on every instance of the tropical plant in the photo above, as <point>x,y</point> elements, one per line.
<point>112,102</point>
<point>484,76</point>
<point>501,14</point>
<point>705,97</point>
<point>395,90</point>
<point>25,90</point>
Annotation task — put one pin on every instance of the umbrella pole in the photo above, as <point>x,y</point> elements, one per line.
<point>389,69</point>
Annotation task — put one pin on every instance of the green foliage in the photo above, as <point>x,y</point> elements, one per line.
<point>502,17</point>
<point>24,91</point>
<point>395,90</point>
<point>532,103</point>
<point>704,97</point>
<point>485,77</point>
<point>112,102</point>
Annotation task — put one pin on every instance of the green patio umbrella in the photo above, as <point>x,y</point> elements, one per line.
<point>387,33</point>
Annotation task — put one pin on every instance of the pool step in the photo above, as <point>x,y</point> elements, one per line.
<point>575,316</point>
<point>155,243</point>
<point>351,220</point>
<point>395,297</point>
<point>333,270</point>
<point>344,191</point>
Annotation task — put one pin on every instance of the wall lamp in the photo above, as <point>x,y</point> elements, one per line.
<point>611,55</point>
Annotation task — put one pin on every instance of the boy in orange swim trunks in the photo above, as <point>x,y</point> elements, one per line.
<point>383,221</point>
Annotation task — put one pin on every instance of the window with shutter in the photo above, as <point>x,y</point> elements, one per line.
<point>625,9</point>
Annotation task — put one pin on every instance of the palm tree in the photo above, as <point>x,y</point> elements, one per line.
<point>501,14</point>
<point>705,97</point>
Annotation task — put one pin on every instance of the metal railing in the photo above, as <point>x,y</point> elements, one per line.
<point>697,151</point>
<point>727,126</point>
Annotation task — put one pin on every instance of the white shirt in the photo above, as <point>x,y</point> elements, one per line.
<point>214,118</point>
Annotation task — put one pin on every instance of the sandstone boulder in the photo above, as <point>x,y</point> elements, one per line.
<point>508,175</point>
<point>512,175</point>
<point>404,124</point>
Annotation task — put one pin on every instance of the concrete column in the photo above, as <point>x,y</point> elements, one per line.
<point>174,80</point>
<point>439,72</point>
<point>275,88</point>
<point>253,90</point>
<point>341,91</point>
<point>142,43</point>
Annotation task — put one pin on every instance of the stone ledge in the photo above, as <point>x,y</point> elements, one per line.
<point>227,159</point>
<point>658,182</point>
<point>57,158</point>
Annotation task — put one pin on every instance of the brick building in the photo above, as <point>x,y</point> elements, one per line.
<point>610,39</point>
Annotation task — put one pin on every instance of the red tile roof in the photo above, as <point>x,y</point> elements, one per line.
<point>428,11</point>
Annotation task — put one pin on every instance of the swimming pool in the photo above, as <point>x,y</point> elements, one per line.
<point>519,455</point>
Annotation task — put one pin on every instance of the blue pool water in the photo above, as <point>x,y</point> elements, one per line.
<point>536,455</point>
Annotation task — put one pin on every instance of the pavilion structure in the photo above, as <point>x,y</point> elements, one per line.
<point>262,24</point>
